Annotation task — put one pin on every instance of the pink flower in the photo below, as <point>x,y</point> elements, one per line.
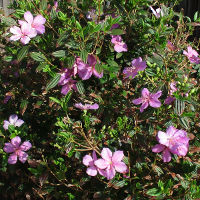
<point>87,106</point>
<point>67,85</point>
<point>119,45</point>
<point>148,99</point>
<point>17,150</point>
<point>111,163</point>
<point>137,65</point>
<point>85,71</point>
<point>13,120</point>
<point>170,98</point>
<point>174,141</point>
<point>192,55</point>
<point>37,23</point>
<point>92,168</point>
<point>24,34</point>
<point>157,12</point>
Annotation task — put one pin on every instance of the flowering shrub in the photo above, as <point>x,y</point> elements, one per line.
<point>74,72</point>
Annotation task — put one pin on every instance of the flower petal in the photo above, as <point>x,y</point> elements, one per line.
<point>15,30</point>
<point>16,141</point>
<point>85,73</point>
<point>145,93</point>
<point>163,138</point>
<point>171,131</point>
<point>120,167</point>
<point>25,40</point>
<point>87,160</point>
<point>9,148</point>
<point>144,106</point>
<point>28,17</point>
<point>39,20</point>
<point>6,124</point>
<point>117,156</point>
<point>137,101</point>
<point>155,103</point>
<point>13,119</point>
<point>91,60</point>
<point>110,173</point>
<point>92,171</point>
<point>25,146</point>
<point>19,122</point>
<point>12,159</point>
<point>23,156</point>
<point>158,148</point>
<point>101,163</point>
<point>166,155</point>
<point>106,154</point>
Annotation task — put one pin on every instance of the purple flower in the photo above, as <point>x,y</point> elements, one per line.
<point>174,141</point>
<point>148,99</point>
<point>137,65</point>
<point>17,150</point>
<point>85,71</point>
<point>86,106</point>
<point>67,85</point>
<point>92,168</point>
<point>169,100</point>
<point>119,45</point>
<point>111,163</point>
<point>157,12</point>
<point>192,55</point>
<point>6,99</point>
<point>13,120</point>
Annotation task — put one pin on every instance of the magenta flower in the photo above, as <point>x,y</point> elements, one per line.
<point>137,65</point>
<point>174,141</point>
<point>170,98</point>
<point>13,120</point>
<point>24,34</point>
<point>119,45</point>
<point>37,23</point>
<point>86,106</point>
<point>111,163</point>
<point>92,168</point>
<point>85,71</point>
<point>17,150</point>
<point>67,85</point>
<point>158,12</point>
<point>192,55</point>
<point>148,99</point>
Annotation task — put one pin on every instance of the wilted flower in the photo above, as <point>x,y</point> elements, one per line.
<point>7,98</point>
<point>37,23</point>
<point>137,65</point>
<point>85,71</point>
<point>174,141</point>
<point>92,168</point>
<point>13,120</point>
<point>17,150</point>
<point>24,34</point>
<point>111,163</point>
<point>119,45</point>
<point>86,106</point>
<point>170,46</point>
<point>192,55</point>
<point>148,99</point>
<point>158,12</point>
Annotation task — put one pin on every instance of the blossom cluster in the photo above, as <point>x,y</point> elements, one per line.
<point>29,28</point>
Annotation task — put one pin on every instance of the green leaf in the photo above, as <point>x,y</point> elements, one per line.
<point>53,82</point>
<point>179,107</point>
<point>153,192</point>
<point>117,32</point>
<point>38,56</point>
<point>63,37</point>
<point>80,87</point>
<point>60,53</point>
<point>195,16</point>
<point>8,21</point>
<point>55,100</point>
<point>41,66</point>
<point>43,5</point>
<point>78,25</point>
<point>22,53</point>
<point>8,58</point>
<point>84,55</point>
<point>99,68</point>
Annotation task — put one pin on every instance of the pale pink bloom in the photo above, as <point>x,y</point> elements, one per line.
<point>174,141</point>
<point>86,106</point>
<point>158,12</point>
<point>137,65</point>
<point>111,163</point>
<point>192,55</point>
<point>24,34</point>
<point>119,45</point>
<point>92,168</point>
<point>37,23</point>
<point>148,99</point>
<point>85,71</point>
<point>17,150</point>
<point>13,120</point>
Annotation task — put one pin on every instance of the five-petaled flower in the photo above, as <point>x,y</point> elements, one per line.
<point>148,99</point>
<point>119,45</point>
<point>137,65</point>
<point>86,106</point>
<point>17,150</point>
<point>111,163</point>
<point>13,120</point>
<point>192,55</point>
<point>174,141</point>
